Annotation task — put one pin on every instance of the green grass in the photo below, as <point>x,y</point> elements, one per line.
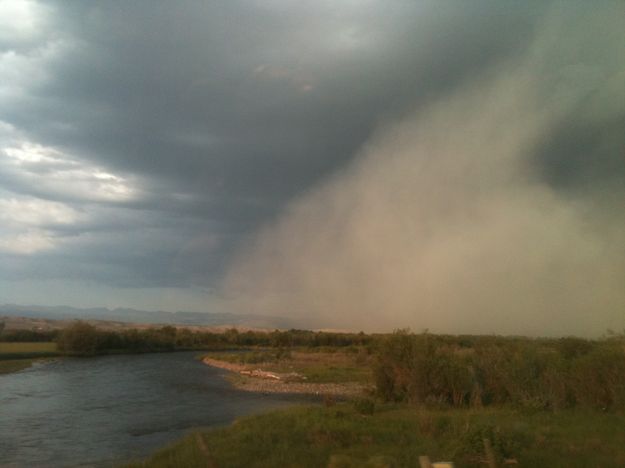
<point>21,348</point>
<point>396,436</point>
<point>245,357</point>
<point>18,356</point>
<point>336,374</point>
<point>14,365</point>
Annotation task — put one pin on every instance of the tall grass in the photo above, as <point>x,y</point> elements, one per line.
<point>539,374</point>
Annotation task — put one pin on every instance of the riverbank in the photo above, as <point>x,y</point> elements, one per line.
<point>396,435</point>
<point>14,365</point>
<point>15,357</point>
<point>337,375</point>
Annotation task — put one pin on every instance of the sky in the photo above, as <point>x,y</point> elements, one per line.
<point>449,165</point>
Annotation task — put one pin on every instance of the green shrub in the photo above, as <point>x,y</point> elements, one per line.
<point>532,374</point>
<point>599,378</point>
<point>505,444</point>
<point>79,338</point>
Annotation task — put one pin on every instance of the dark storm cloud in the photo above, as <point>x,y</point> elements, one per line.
<point>211,97</point>
<point>455,220</point>
<point>214,114</point>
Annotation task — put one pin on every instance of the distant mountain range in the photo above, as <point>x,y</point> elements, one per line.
<point>144,316</point>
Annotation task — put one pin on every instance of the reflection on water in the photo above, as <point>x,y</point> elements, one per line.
<point>97,411</point>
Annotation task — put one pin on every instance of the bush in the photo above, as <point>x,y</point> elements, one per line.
<point>533,374</point>
<point>504,444</point>
<point>79,338</point>
<point>599,378</point>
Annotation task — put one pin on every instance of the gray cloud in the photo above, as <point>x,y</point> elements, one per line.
<point>214,116</point>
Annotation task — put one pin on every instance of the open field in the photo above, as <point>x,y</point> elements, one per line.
<point>21,348</point>
<point>17,356</point>
<point>27,350</point>
<point>395,435</point>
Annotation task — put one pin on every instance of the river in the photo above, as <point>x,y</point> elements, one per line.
<point>104,410</point>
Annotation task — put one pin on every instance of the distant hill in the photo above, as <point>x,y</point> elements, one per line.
<point>144,316</point>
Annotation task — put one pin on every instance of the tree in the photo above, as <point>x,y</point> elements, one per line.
<point>79,338</point>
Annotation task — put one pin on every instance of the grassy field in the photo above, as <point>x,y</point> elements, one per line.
<point>395,435</point>
<point>22,348</point>
<point>14,365</point>
<point>17,356</point>
<point>317,367</point>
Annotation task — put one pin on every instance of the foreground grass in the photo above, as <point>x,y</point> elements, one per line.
<point>339,436</point>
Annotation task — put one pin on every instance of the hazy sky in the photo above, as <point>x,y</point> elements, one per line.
<point>381,164</point>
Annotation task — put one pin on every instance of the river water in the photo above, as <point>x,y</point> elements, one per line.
<point>104,410</point>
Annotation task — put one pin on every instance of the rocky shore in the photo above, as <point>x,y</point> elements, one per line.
<point>258,380</point>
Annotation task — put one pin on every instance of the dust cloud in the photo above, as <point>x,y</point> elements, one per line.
<point>446,220</point>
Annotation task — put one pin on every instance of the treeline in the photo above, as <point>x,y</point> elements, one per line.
<point>476,371</point>
<point>22,336</point>
<point>299,338</point>
<point>84,339</point>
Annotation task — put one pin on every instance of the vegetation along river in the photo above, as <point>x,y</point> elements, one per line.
<point>105,410</point>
